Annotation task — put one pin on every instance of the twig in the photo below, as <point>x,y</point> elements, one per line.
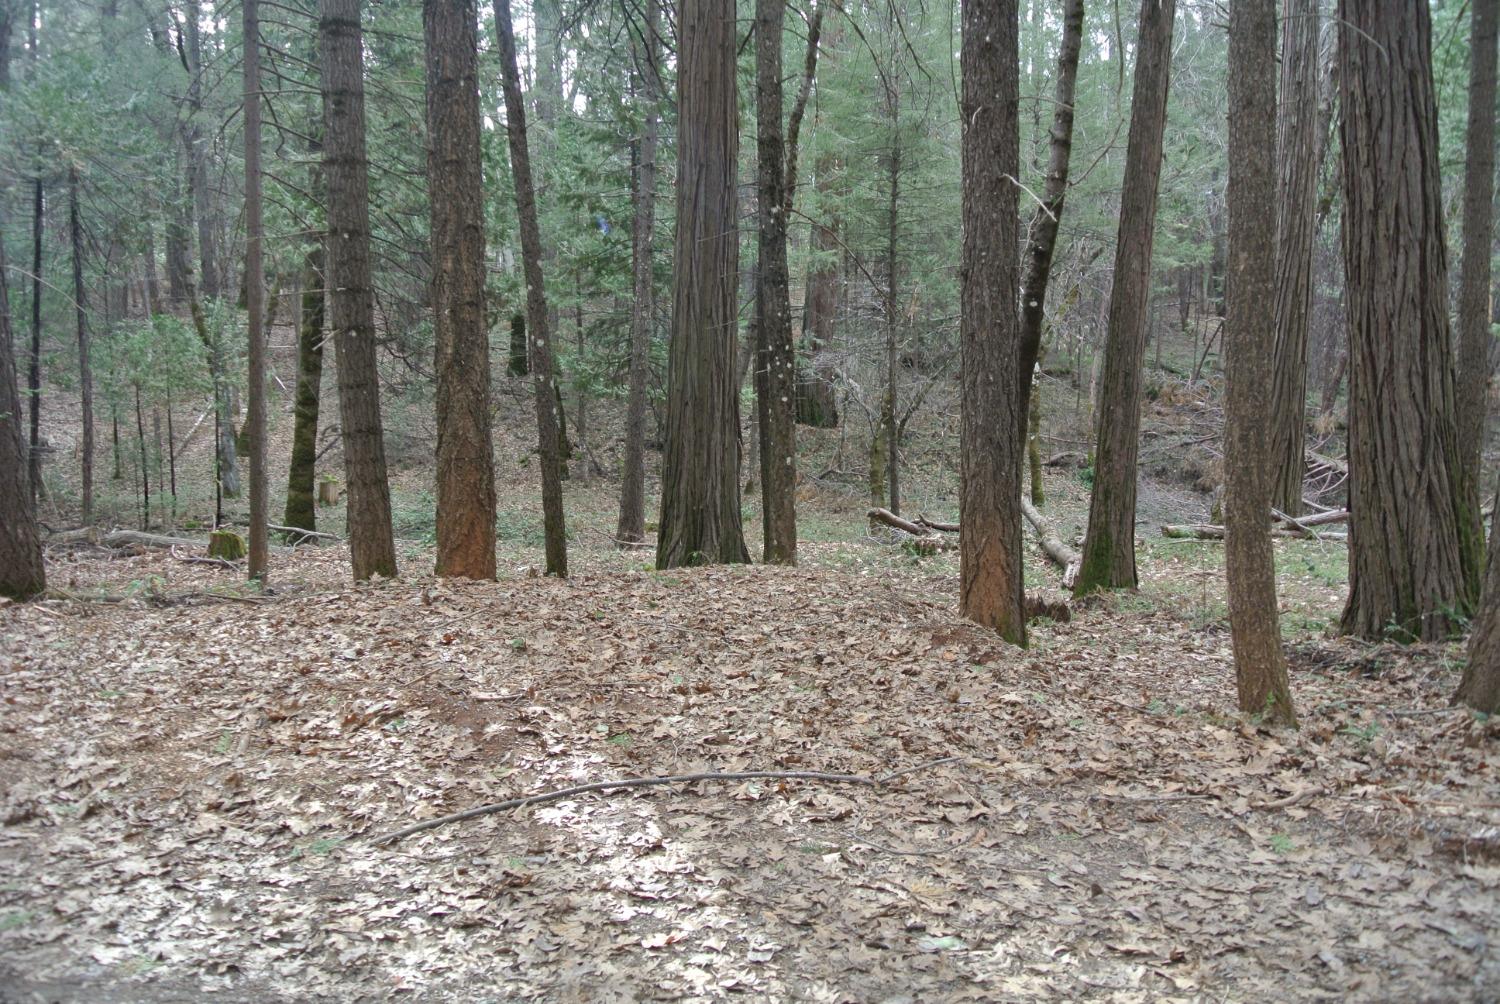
<point>621,543</point>
<point>304,534</point>
<point>1291,800</point>
<point>645,782</point>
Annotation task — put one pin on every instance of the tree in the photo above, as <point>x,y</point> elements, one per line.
<point>1415,544</point>
<point>990,587</point>
<point>1474,337</point>
<point>1109,545</point>
<point>301,486</point>
<point>1298,144</point>
<point>700,495</point>
<point>537,320</point>
<point>351,310</point>
<point>255,292</point>
<point>1260,666</point>
<point>1042,238</point>
<point>632,526</point>
<point>465,460</point>
<point>22,572</point>
<point>85,371</point>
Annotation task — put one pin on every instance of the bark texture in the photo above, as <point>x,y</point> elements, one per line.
<point>465,461</point>
<point>22,573</point>
<point>1474,338</point>
<point>775,363</point>
<point>1042,237</point>
<point>301,487</point>
<point>990,587</point>
<point>1480,686</point>
<point>700,507</point>
<point>1298,144</point>
<point>632,525</point>
<point>537,319</point>
<point>1415,544</point>
<point>1109,546</point>
<point>85,370</point>
<point>351,306</point>
<point>255,296</point>
<point>1250,335</point>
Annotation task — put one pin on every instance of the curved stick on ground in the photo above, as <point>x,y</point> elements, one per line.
<point>645,782</point>
<point>1065,556</point>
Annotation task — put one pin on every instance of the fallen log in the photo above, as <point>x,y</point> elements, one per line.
<point>923,539</point>
<point>1069,559</point>
<point>139,538</point>
<point>933,524</point>
<point>1212,531</point>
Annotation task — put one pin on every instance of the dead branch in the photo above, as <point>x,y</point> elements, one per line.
<point>301,534</point>
<point>1291,800</point>
<point>1211,531</point>
<point>647,782</point>
<point>923,539</point>
<point>933,524</point>
<point>1069,559</point>
<point>189,559</point>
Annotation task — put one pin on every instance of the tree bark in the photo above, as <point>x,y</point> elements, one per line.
<point>211,284</point>
<point>255,297</point>
<point>1109,546</point>
<point>1255,633</point>
<point>85,371</point>
<point>892,266</point>
<point>990,564</point>
<point>775,365</point>
<point>34,363</point>
<point>1480,686</point>
<point>547,418</point>
<point>1415,543</point>
<point>632,526</point>
<point>1042,235</point>
<point>22,572</point>
<point>700,514</point>
<point>301,488</point>
<point>1474,339</point>
<point>1298,144</point>
<point>351,309</point>
<point>465,461</point>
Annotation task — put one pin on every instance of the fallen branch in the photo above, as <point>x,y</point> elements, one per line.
<point>189,559</point>
<point>301,533</point>
<point>925,541</point>
<point>1211,531</point>
<point>933,524</point>
<point>126,538</point>
<point>646,782</point>
<point>1065,556</point>
<point>1291,800</point>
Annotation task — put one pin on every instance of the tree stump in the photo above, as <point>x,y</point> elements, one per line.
<point>226,544</point>
<point>328,493</point>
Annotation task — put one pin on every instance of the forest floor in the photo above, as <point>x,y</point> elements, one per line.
<point>194,772</point>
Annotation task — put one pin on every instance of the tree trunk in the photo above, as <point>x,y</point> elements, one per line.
<point>1255,633</point>
<point>351,310</point>
<point>255,297</point>
<point>34,364</point>
<point>537,319</point>
<point>1474,339</point>
<point>700,507</point>
<point>301,488</point>
<point>22,572</point>
<point>892,361</point>
<point>1298,145</point>
<point>1109,546</point>
<point>1415,544</point>
<point>517,362</point>
<point>465,464</point>
<point>85,372</point>
<point>1042,237</point>
<point>632,525</point>
<point>140,441</point>
<point>1480,686</point>
<point>211,284</point>
<point>775,364</point>
<point>990,586</point>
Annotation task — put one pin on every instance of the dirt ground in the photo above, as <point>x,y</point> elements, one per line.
<point>194,774</point>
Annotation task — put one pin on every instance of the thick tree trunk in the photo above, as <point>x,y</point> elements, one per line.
<point>1042,237</point>
<point>22,572</point>
<point>547,417</point>
<point>301,488</point>
<point>255,297</point>
<point>351,310</point>
<point>1260,666</point>
<point>517,362</point>
<point>1416,545</point>
<point>775,364</point>
<point>632,526</point>
<point>1474,339</point>
<point>1298,144</point>
<point>893,268</point>
<point>85,371</point>
<point>990,564</point>
<point>700,508</point>
<point>211,283</point>
<point>465,461</point>
<point>1109,546</point>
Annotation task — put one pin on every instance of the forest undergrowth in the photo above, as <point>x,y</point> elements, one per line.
<point>196,774</point>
